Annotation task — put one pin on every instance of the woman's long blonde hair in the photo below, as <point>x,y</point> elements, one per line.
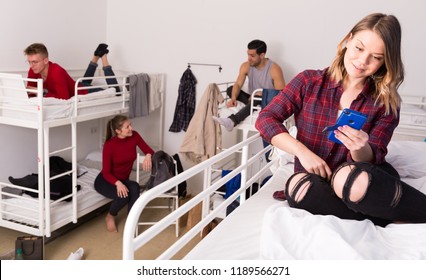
<point>390,76</point>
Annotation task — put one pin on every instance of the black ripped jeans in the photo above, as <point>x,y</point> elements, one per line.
<point>387,198</point>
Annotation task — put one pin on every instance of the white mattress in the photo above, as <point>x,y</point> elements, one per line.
<point>87,196</point>
<point>54,108</point>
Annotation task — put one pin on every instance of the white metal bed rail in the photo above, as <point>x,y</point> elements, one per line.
<point>412,128</point>
<point>132,243</point>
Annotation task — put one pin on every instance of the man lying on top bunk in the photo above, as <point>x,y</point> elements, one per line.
<point>261,72</point>
<point>57,82</point>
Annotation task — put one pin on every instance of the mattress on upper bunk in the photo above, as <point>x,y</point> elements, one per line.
<point>54,108</point>
<point>25,211</point>
<point>264,228</point>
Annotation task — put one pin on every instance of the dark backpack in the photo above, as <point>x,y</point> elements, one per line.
<point>163,168</point>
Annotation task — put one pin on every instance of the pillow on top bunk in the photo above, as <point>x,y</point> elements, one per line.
<point>408,158</point>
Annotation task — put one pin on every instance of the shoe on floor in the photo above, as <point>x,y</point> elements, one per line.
<point>225,122</point>
<point>77,255</point>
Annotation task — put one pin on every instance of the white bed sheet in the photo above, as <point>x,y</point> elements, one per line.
<point>289,233</point>
<point>54,108</point>
<point>87,196</point>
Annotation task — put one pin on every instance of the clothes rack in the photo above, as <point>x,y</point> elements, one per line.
<point>205,64</point>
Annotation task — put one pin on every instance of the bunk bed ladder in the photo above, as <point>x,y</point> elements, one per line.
<point>40,160</point>
<point>48,178</point>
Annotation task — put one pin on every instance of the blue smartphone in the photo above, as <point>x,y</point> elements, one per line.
<point>349,117</point>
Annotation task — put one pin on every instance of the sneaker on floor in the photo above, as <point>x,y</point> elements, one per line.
<point>77,255</point>
<point>225,122</point>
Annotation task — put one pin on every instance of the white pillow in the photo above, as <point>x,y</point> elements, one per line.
<point>87,163</point>
<point>95,156</point>
<point>408,158</point>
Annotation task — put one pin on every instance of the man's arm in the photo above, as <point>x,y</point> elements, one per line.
<point>244,68</point>
<point>277,76</point>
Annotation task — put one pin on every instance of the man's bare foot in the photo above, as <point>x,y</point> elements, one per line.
<point>110,223</point>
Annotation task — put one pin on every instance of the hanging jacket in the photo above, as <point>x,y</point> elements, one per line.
<point>185,104</point>
<point>204,135</point>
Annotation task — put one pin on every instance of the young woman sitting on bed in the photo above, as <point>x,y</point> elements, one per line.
<point>56,81</point>
<point>118,155</point>
<point>350,180</point>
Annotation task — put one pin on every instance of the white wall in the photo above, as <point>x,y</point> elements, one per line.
<point>164,35</point>
<point>71,31</point>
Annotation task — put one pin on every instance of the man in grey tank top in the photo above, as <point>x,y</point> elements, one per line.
<point>262,73</point>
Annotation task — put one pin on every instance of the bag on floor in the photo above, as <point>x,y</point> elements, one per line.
<point>31,246</point>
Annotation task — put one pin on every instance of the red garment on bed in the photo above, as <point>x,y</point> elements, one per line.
<point>58,83</point>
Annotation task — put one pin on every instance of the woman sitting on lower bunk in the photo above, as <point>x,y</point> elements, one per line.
<point>119,153</point>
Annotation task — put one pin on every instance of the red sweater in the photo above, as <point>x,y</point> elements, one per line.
<point>58,83</point>
<point>119,154</point>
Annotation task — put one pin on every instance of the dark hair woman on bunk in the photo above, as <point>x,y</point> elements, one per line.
<point>118,155</point>
<point>349,179</point>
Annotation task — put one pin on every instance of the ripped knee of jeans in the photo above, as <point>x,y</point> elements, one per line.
<point>297,186</point>
<point>350,182</point>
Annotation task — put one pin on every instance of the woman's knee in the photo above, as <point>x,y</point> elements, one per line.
<point>133,187</point>
<point>297,186</point>
<point>350,182</point>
